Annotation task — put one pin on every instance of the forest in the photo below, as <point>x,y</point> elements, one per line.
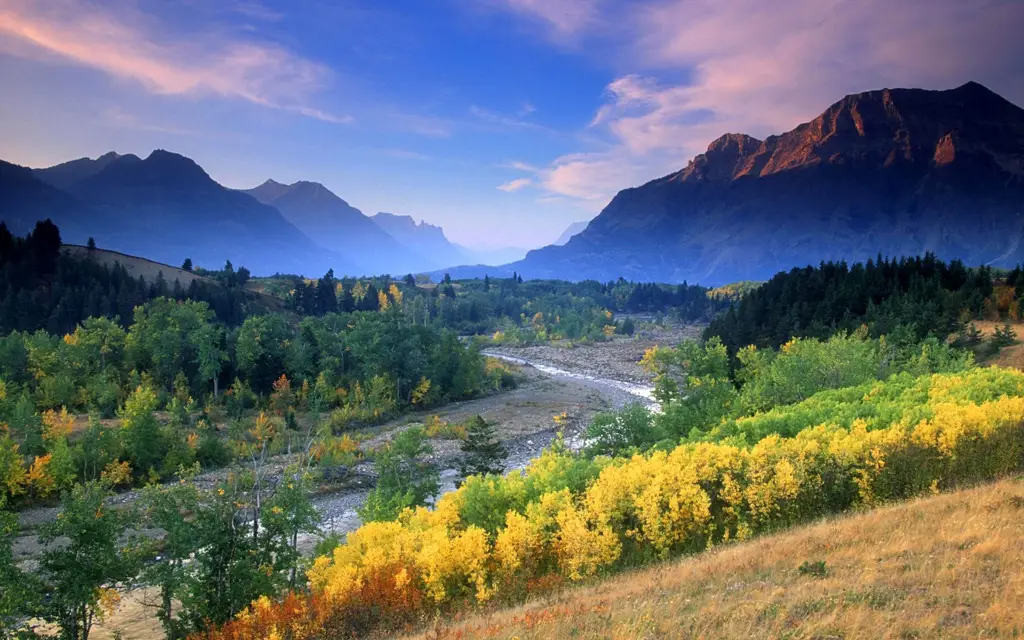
<point>923,295</point>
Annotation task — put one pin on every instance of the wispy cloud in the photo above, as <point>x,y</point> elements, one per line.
<point>562,17</point>
<point>515,185</point>
<point>405,154</point>
<point>519,166</point>
<point>255,10</point>
<point>132,47</point>
<point>507,121</point>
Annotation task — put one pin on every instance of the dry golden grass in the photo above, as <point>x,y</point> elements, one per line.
<point>947,566</point>
<point>1012,356</point>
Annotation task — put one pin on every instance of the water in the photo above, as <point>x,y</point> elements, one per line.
<point>644,392</point>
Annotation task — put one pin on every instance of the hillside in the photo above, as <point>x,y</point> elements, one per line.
<point>136,267</point>
<point>891,172</point>
<point>339,227</point>
<point>942,566</point>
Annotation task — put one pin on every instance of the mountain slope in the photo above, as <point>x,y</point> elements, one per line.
<point>897,172</point>
<point>338,226</point>
<point>425,239</point>
<point>166,208</point>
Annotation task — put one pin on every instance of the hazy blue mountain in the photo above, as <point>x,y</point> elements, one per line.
<point>570,231</point>
<point>424,239</point>
<point>891,172</point>
<point>67,174</point>
<point>336,225</point>
<point>164,208</point>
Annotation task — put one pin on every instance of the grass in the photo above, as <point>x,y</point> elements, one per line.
<point>946,566</point>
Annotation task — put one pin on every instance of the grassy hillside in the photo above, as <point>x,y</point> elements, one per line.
<point>136,266</point>
<point>945,566</point>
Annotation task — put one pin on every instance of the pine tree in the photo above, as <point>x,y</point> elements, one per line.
<point>187,265</point>
<point>484,452</point>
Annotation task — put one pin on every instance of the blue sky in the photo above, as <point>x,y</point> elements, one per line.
<point>502,120</point>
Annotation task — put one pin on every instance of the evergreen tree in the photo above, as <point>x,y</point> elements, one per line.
<point>484,452</point>
<point>187,265</point>
<point>91,245</point>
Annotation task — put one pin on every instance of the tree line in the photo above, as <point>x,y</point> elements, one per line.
<point>543,308</point>
<point>922,294</point>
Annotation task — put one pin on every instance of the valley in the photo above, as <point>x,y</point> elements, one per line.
<point>776,392</point>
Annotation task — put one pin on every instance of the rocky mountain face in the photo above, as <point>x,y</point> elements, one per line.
<point>339,227</point>
<point>892,172</point>
<point>164,208</point>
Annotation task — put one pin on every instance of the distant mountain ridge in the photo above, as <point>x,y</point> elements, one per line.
<point>67,174</point>
<point>165,208</point>
<point>425,239</point>
<point>337,226</point>
<point>892,172</point>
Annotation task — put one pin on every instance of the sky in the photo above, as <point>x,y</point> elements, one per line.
<point>502,120</point>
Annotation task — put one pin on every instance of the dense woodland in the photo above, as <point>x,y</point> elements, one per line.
<point>923,295</point>
<point>535,310</point>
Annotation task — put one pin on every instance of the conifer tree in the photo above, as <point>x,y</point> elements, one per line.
<point>484,452</point>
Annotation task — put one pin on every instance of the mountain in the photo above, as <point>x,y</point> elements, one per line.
<point>570,231</point>
<point>67,174</point>
<point>892,172</point>
<point>338,226</point>
<point>165,208</point>
<point>424,239</point>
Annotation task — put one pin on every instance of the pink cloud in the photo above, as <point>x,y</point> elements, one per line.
<point>126,46</point>
<point>515,185</point>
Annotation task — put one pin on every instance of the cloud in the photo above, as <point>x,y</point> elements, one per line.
<point>515,185</point>
<point>255,10</point>
<point>562,17</point>
<point>503,121</point>
<point>691,70</point>
<point>519,166</point>
<point>406,154</point>
<point>130,46</point>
